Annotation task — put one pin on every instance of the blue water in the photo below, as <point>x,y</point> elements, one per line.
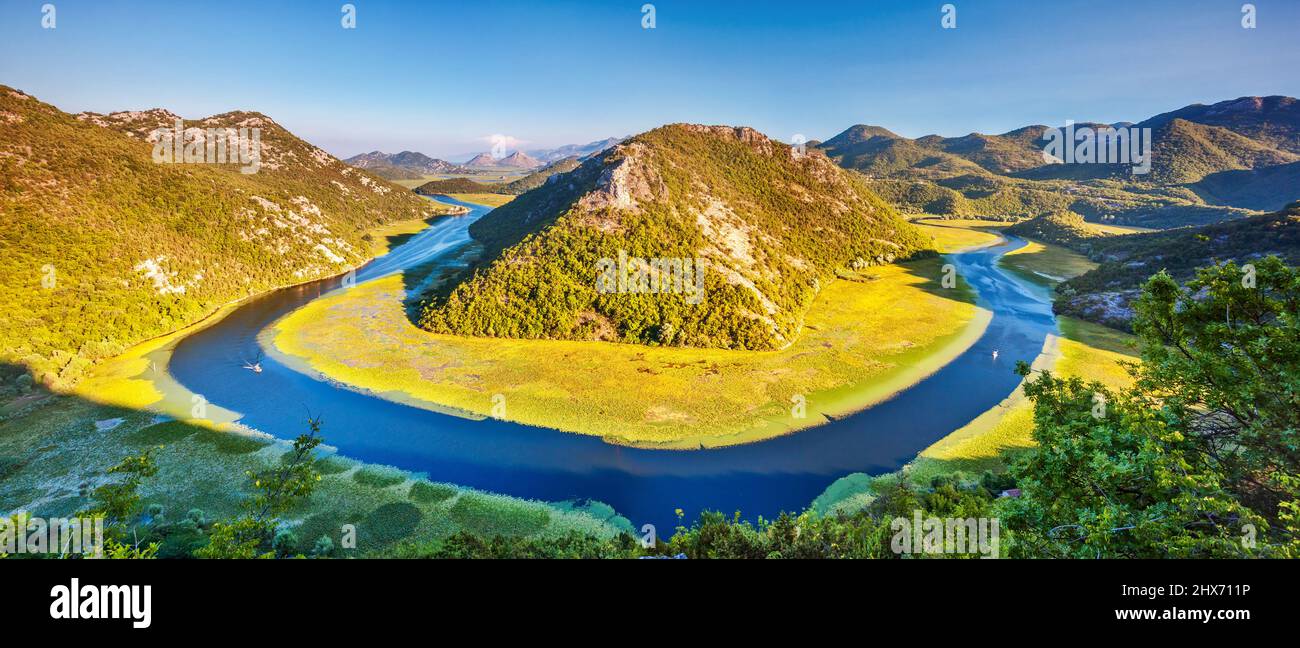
<point>781,474</point>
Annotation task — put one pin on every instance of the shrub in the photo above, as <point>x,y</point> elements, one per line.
<point>428,493</point>
<point>379,476</point>
<point>390,522</point>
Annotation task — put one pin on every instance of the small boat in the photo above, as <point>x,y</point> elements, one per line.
<point>995,354</point>
<point>256,365</point>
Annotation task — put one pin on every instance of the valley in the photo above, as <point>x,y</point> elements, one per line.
<point>474,379</point>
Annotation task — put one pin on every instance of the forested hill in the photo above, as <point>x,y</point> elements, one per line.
<point>102,247</point>
<point>1208,164</point>
<point>767,224</point>
<point>1105,294</point>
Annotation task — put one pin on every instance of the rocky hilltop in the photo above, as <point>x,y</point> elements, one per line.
<point>710,236</point>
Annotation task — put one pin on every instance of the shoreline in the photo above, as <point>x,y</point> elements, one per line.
<point>122,380</point>
<point>293,341</point>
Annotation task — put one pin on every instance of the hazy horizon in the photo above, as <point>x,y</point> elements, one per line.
<point>442,80</point>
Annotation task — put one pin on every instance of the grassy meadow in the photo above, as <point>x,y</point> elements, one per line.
<point>1083,349</point>
<point>487,199</point>
<point>869,335</point>
<point>55,450</point>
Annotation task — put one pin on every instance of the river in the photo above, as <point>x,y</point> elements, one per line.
<point>646,486</point>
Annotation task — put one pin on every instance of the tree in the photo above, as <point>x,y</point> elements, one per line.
<point>1200,458</point>
<point>276,490</point>
<point>118,504</point>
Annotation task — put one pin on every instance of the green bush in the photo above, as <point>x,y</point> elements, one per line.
<point>428,493</point>
<point>379,476</point>
<point>389,523</point>
<point>489,516</point>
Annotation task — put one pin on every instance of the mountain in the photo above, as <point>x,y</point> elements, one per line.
<point>407,165</point>
<point>878,152</point>
<point>1105,294</point>
<point>1209,164</point>
<point>526,183</point>
<point>766,227</point>
<point>1011,152</point>
<point>574,150</point>
<point>538,177</point>
<point>103,247</point>
<point>482,160</point>
<point>518,160</point>
<point>1182,153</point>
<point>1273,121</point>
<point>1063,228</point>
<point>1267,188</point>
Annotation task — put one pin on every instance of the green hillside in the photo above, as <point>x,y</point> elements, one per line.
<point>101,247</point>
<point>454,186</point>
<point>769,226</point>
<point>1273,121</point>
<point>1063,228</point>
<point>538,177</point>
<point>1104,294</point>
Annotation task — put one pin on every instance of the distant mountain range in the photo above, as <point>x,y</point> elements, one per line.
<point>574,150</point>
<point>106,246</point>
<point>411,165</point>
<point>1209,163</point>
<point>516,160</point>
<point>407,165</point>
<point>516,187</point>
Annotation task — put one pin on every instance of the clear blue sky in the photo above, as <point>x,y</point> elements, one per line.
<point>441,76</point>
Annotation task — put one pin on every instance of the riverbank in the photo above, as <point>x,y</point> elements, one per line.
<point>55,450</point>
<point>866,338</point>
<point>1088,351</point>
<point>138,377</point>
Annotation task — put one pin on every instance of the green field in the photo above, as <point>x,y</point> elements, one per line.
<point>1083,349</point>
<point>52,456</point>
<point>868,336</point>
<point>488,199</point>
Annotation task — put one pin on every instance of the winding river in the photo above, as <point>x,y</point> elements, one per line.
<point>646,486</point>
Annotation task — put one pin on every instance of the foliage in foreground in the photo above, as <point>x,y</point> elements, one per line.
<point>1201,457</point>
<point>276,490</point>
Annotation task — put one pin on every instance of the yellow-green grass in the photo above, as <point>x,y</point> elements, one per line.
<point>864,340</point>
<point>1088,351</point>
<point>385,238</point>
<point>486,199</point>
<point>415,182</point>
<point>138,380</point>
<point>1116,230</point>
<point>951,237</point>
<point>1046,264</point>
